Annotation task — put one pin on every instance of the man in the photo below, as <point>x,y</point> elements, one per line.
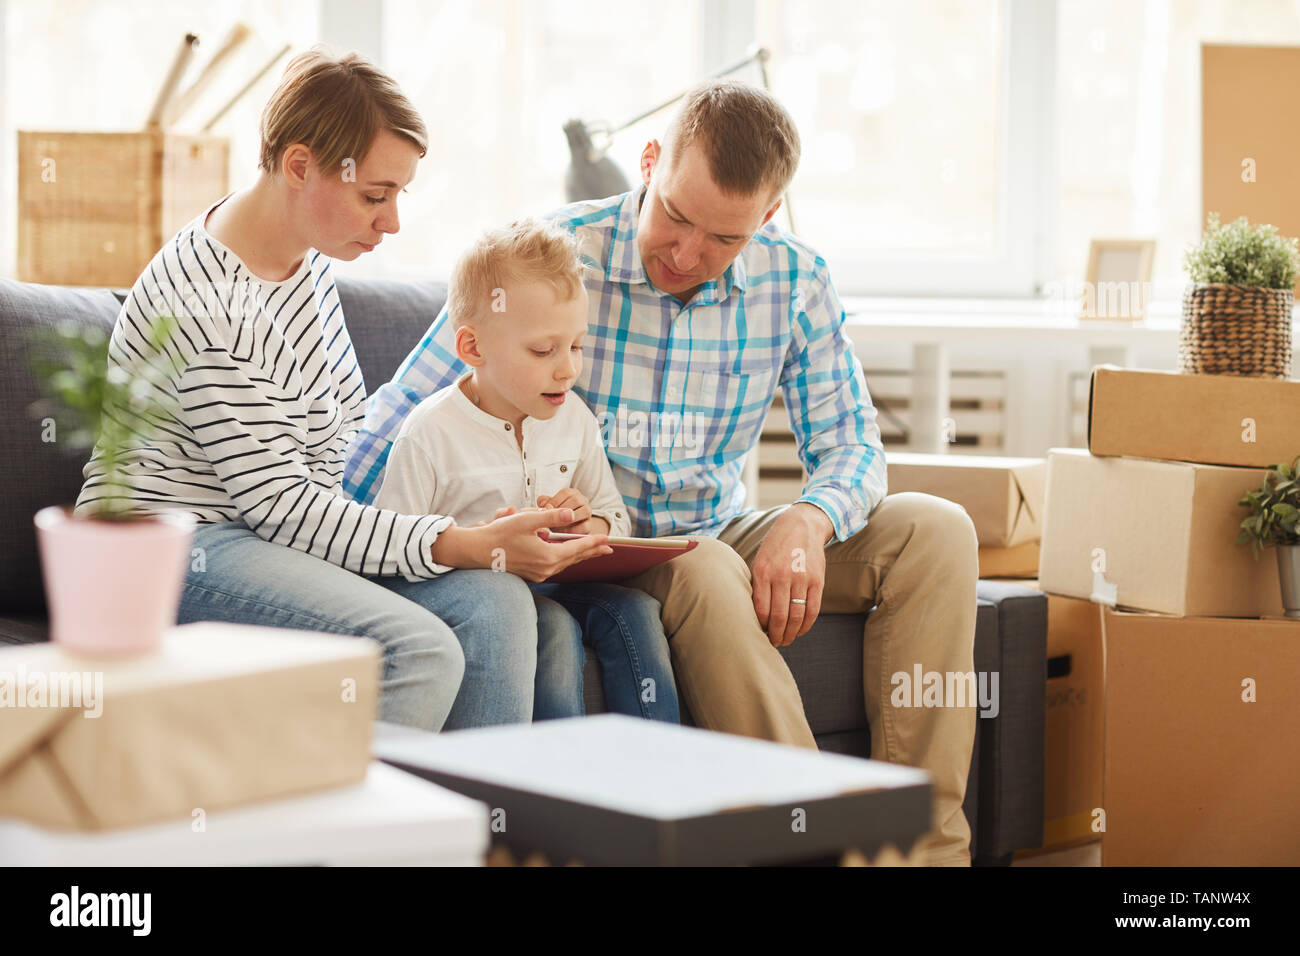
<point>700,305</point>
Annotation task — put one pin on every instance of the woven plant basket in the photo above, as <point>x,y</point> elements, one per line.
<point>1235,330</point>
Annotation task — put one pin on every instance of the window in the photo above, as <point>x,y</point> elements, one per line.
<point>898,108</point>
<point>951,147</point>
<point>496,80</point>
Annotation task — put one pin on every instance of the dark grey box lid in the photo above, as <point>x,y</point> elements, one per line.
<point>619,790</point>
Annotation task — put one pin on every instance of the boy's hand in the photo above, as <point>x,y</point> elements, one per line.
<point>576,500</point>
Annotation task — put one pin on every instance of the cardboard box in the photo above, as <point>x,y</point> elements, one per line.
<point>1076,686</point>
<point>220,716</point>
<point>93,208</point>
<point>1018,562</point>
<point>1239,124</point>
<point>1153,535</point>
<point>1201,720</point>
<point>1003,496</point>
<point>1213,419</point>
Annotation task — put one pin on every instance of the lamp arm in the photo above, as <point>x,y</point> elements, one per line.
<point>759,55</point>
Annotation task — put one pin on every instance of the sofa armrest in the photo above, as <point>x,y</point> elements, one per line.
<point>1012,746</point>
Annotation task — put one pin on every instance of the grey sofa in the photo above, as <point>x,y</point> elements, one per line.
<point>1004,800</point>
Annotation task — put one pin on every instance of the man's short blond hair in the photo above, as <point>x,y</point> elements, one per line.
<point>335,106</point>
<point>749,139</point>
<point>527,249</point>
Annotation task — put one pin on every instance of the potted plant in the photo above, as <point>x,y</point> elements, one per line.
<point>1274,519</point>
<point>113,575</point>
<point>1237,311</point>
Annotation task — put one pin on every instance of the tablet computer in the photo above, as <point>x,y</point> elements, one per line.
<point>631,556</point>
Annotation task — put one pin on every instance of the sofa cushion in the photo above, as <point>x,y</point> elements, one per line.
<point>34,473</point>
<point>386,319</point>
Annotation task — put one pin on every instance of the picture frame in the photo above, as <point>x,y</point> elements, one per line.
<point>1117,282</point>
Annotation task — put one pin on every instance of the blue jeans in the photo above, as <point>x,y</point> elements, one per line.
<point>622,625</point>
<point>459,650</point>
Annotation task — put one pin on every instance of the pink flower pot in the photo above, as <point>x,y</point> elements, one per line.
<point>112,587</point>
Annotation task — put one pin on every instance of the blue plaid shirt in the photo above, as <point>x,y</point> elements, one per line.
<point>681,391</point>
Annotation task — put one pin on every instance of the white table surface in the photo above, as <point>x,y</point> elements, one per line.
<point>391,818</point>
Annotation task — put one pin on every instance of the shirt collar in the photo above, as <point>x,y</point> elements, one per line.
<point>490,422</point>
<point>625,263</point>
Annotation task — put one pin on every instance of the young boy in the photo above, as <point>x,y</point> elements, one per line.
<point>509,436</point>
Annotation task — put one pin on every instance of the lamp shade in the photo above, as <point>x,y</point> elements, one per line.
<point>590,175</point>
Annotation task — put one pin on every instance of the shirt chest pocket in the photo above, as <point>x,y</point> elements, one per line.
<point>745,386</point>
<point>549,478</point>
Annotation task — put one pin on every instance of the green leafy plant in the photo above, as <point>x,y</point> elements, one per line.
<point>94,405</point>
<point>1242,254</point>
<point>1274,517</point>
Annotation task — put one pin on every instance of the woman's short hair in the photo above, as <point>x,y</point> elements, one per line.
<point>749,139</point>
<point>527,249</point>
<point>335,106</point>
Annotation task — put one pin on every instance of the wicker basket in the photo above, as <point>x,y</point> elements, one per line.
<point>93,208</point>
<point>1235,330</point>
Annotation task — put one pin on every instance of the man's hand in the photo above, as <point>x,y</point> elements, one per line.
<point>583,522</point>
<point>791,564</point>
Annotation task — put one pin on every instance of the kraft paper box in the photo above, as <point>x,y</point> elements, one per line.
<point>1202,716</point>
<point>220,716</point>
<point>1003,496</point>
<point>1154,536</point>
<point>1213,419</point>
<point>1018,562</point>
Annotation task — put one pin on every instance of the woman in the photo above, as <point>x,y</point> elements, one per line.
<point>268,394</point>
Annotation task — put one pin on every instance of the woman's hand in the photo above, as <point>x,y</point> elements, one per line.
<point>511,543</point>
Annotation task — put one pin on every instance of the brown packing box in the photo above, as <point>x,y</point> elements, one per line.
<point>1214,419</point>
<point>1003,496</point>
<point>1075,697</point>
<point>1196,773</point>
<point>1018,562</point>
<point>221,715</point>
<point>1160,533</point>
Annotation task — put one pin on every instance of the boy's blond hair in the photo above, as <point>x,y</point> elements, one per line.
<point>525,249</point>
<point>335,106</point>
<point>749,139</point>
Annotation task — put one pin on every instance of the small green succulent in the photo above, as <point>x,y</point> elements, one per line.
<point>1242,254</point>
<point>95,405</point>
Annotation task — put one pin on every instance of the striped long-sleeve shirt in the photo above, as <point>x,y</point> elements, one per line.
<point>265,395</point>
<point>681,391</point>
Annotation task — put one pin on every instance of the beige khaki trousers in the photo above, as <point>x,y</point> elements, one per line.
<point>916,562</point>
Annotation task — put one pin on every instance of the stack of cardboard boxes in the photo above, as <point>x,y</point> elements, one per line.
<point>1173,684</point>
<point>1200,702</point>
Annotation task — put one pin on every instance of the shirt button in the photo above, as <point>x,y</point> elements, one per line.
<point>564,468</point>
<point>618,514</point>
<point>507,426</point>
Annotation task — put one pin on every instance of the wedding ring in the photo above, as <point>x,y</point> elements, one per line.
<point>798,601</point>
